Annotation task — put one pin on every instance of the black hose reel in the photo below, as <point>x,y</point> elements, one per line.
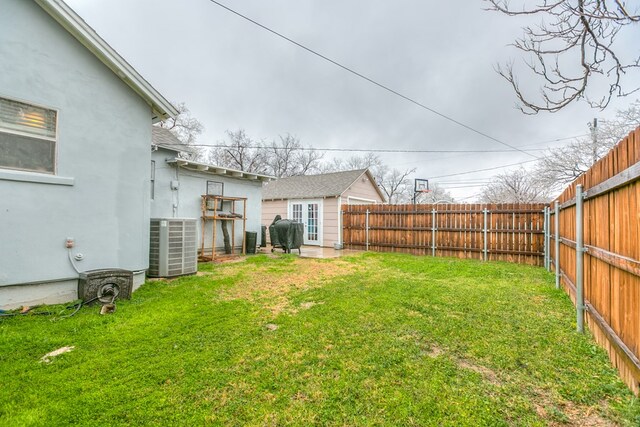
<point>108,292</point>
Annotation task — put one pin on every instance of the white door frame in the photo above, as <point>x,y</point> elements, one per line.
<point>305,209</point>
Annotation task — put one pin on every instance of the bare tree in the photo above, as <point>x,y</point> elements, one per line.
<point>517,186</point>
<point>572,45</point>
<point>395,183</point>
<point>369,161</point>
<point>284,157</point>
<point>186,128</point>
<point>613,130</point>
<point>240,152</point>
<point>288,157</point>
<point>560,166</point>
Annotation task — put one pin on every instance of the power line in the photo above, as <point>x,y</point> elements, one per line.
<point>556,140</point>
<point>463,181</point>
<point>482,170</point>
<point>361,150</point>
<point>370,80</point>
<point>463,186</point>
<point>519,145</point>
<point>381,150</point>
<point>466,198</point>
<point>446,183</point>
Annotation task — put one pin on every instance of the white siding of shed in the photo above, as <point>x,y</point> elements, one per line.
<point>362,190</point>
<point>272,208</point>
<point>330,227</point>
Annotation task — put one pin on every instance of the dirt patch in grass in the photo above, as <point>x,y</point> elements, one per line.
<point>486,373</point>
<point>428,349</point>
<point>585,416</point>
<point>434,351</point>
<point>229,260</point>
<point>204,273</point>
<point>271,288</point>
<point>568,414</point>
<point>307,305</point>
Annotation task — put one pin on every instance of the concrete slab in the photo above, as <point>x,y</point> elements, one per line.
<point>318,252</point>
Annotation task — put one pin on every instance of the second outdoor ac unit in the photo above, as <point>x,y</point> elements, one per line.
<point>173,249</point>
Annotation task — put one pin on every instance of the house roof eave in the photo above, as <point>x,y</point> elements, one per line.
<point>78,28</point>
<point>219,170</point>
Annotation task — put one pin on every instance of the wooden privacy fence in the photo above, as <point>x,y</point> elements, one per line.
<point>506,232</point>
<point>589,236</point>
<point>595,245</point>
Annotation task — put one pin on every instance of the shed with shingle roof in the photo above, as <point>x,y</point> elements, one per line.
<point>315,200</point>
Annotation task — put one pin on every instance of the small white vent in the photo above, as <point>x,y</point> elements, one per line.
<point>173,250</point>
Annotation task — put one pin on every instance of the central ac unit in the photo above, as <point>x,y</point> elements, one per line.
<point>173,249</point>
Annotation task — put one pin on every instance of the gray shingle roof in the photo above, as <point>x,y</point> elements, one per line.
<point>311,186</point>
<point>164,138</point>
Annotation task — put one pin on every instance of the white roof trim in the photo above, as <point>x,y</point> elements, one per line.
<point>173,148</point>
<point>216,170</point>
<point>78,28</point>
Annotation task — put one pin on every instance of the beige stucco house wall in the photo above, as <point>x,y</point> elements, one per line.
<point>326,193</point>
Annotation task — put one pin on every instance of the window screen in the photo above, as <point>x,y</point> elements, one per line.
<point>27,137</point>
<point>215,188</point>
<point>20,117</point>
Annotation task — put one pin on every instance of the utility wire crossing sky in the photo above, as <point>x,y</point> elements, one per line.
<point>370,80</point>
<point>232,70</point>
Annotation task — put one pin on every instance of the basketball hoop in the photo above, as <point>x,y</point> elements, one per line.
<point>420,186</point>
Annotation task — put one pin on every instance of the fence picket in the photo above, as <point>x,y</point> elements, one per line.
<point>448,230</point>
<point>516,233</point>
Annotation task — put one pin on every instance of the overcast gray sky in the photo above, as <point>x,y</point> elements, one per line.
<point>233,74</point>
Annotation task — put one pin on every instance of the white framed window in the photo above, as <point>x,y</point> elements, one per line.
<point>28,136</point>
<point>296,212</point>
<point>215,188</point>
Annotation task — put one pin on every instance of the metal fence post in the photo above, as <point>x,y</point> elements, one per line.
<point>579,260</point>
<point>556,227</point>
<point>367,228</point>
<point>545,241</point>
<point>484,235</point>
<point>549,239</point>
<point>433,232</point>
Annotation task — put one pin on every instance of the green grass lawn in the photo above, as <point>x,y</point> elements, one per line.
<point>373,339</point>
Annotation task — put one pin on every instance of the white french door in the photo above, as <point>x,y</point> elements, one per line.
<point>309,213</point>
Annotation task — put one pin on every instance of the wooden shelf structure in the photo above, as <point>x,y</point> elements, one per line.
<point>212,206</point>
